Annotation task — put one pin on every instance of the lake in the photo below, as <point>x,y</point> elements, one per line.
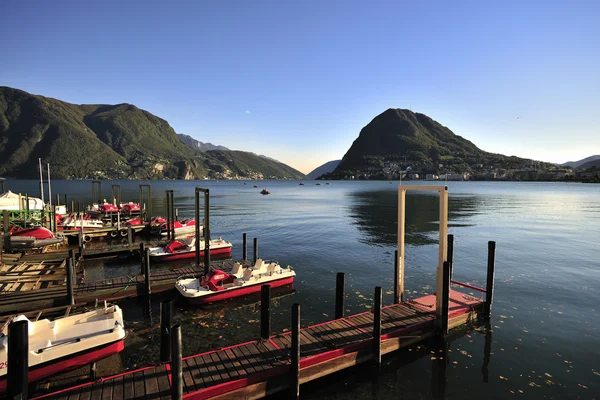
<point>543,339</point>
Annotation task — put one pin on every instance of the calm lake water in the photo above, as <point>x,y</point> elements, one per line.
<point>544,337</point>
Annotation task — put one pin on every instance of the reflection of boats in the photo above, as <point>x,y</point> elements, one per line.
<point>219,285</point>
<point>264,191</point>
<point>66,342</point>
<point>178,249</point>
<point>33,238</point>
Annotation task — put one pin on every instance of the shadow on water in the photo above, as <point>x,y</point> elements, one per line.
<point>398,370</point>
<point>376,214</point>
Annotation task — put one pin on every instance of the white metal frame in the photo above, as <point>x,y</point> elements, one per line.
<point>443,241</point>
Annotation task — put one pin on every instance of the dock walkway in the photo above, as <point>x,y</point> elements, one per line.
<point>261,367</point>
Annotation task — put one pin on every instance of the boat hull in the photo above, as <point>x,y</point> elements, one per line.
<point>69,362</point>
<point>238,292</point>
<point>188,254</point>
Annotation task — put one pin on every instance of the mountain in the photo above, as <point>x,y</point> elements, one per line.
<point>399,138</point>
<point>590,164</point>
<point>198,145</point>
<point>107,142</point>
<point>578,164</point>
<point>323,169</point>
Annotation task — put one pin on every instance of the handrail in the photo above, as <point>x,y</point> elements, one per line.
<point>468,286</point>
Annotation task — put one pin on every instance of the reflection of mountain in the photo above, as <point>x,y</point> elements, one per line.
<point>376,214</point>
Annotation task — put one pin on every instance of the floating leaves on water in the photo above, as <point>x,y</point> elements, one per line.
<point>520,391</point>
<point>503,378</point>
<point>532,384</point>
<point>252,321</point>
<point>325,315</point>
<point>389,292</point>
<point>596,373</point>
<point>548,375</point>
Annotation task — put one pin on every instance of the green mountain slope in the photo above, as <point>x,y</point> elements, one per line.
<point>412,139</point>
<point>108,141</point>
<point>590,164</point>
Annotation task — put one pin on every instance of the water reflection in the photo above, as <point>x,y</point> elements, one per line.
<point>376,215</point>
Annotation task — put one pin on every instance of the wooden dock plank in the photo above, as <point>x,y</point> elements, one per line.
<point>163,382</point>
<point>139,389</point>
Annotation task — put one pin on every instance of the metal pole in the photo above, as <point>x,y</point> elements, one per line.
<point>450,253</point>
<point>197,232</point>
<point>149,203</point>
<point>41,181</point>
<point>377,327</point>
<point>443,325</point>
<point>5,224</point>
<point>244,247</point>
<point>206,232</point>
<point>70,291</point>
<point>340,283</point>
<point>147,272</point>
<point>255,251</point>
<point>397,290</point>
<point>168,217</point>
<point>18,360</point>
<point>142,257</point>
<point>49,188</point>
<point>295,353</point>
<point>265,312</point>
<point>166,321</point>
<point>176,364</point>
<point>172,215</point>
<point>489,288</point>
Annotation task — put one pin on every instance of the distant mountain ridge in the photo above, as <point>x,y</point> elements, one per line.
<point>579,164</point>
<point>198,145</point>
<point>323,169</point>
<point>590,164</point>
<point>109,142</point>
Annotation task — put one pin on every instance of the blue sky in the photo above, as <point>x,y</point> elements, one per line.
<point>298,80</point>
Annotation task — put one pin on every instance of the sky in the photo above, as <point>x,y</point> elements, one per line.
<point>297,81</point>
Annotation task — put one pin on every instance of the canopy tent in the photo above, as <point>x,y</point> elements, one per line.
<point>13,201</point>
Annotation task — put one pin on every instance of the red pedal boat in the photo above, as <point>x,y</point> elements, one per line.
<point>179,249</point>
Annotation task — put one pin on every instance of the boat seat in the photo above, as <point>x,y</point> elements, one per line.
<point>247,274</point>
<point>237,270</point>
<point>271,268</point>
<point>260,269</point>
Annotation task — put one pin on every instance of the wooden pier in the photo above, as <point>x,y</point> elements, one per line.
<point>262,367</point>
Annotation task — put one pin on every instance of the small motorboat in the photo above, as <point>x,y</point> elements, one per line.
<point>67,342</point>
<point>265,191</point>
<point>34,238</point>
<point>255,186</point>
<point>183,227</point>
<point>107,208</point>
<point>317,184</point>
<point>301,184</point>
<point>179,249</point>
<point>219,285</point>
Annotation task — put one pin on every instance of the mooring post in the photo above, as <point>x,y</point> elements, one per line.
<point>197,230</point>
<point>147,272</point>
<point>93,370</point>
<point>397,294</point>
<point>295,353</point>
<point>450,253</point>
<point>340,283</point>
<point>244,247</point>
<point>206,232</point>
<point>176,364</point>
<point>5,224</point>
<point>168,216</point>
<point>265,312</point>
<point>377,327</point>
<point>489,287</point>
<point>255,251</point>
<point>78,206</point>
<point>129,235</point>
<point>443,323</point>
<point>80,241</point>
<point>166,321</point>
<point>142,257</point>
<point>172,203</point>
<point>72,257</point>
<point>53,218</point>
<point>72,210</point>
<point>18,360</point>
<point>70,280</point>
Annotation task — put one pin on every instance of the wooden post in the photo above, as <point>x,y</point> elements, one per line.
<point>93,371</point>
<point>78,206</point>
<point>444,315</point>
<point>399,278</point>
<point>72,210</point>
<point>295,353</point>
<point>147,272</point>
<point>5,224</point>
<point>489,287</point>
<point>18,360</point>
<point>197,231</point>
<point>450,253</point>
<point>80,241</point>
<point>172,202</point>
<point>265,312</point>
<point>73,261</point>
<point>443,193</point>
<point>168,216</point>
<point>166,321</point>
<point>53,219</point>
<point>149,203</point>
<point>129,235</point>
<point>70,291</point>
<point>340,283</point>
<point>377,327</point>
<point>176,364</point>
<point>244,247</point>
<point>397,294</point>
<point>142,257</point>
<point>206,232</point>
<point>255,251</point>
